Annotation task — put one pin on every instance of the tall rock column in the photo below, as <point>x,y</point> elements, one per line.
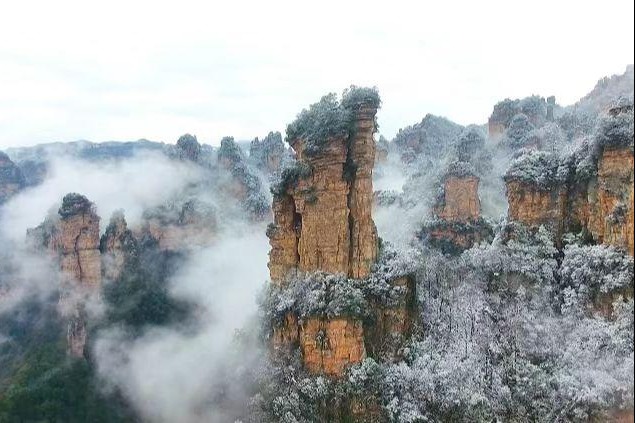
<point>363,252</point>
<point>322,222</point>
<point>80,263</point>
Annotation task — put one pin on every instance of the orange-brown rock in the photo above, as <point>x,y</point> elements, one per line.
<point>603,206</point>
<point>324,221</point>
<point>535,206</point>
<point>78,246</point>
<point>611,199</point>
<point>330,346</point>
<point>364,249</point>
<point>283,236</point>
<point>74,237</point>
<point>461,202</point>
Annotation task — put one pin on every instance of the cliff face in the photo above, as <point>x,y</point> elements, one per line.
<point>535,206</point>
<point>603,206</point>
<point>78,245</point>
<point>74,239</point>
<point>461,202</point>
<point>11,178</point>
<point>611,200</point>
<point>457,223</point>
<point>324,222</point>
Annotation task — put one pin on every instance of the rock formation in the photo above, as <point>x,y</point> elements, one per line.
<point>457,222</point>
<point>179,226</point>
<point>11,178</point>
<point>188,148</point>
<point>242,184</point>
<point>267,154</point>
<point>118,246</point>
<point>74,238</point>
<point>600,204</point>
<point>322,222</point>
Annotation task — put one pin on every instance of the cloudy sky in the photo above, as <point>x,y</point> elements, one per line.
<point>123,70</point>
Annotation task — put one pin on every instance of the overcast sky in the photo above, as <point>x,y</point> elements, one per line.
<point>124,70</point>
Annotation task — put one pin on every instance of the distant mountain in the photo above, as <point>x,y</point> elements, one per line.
<point>606,91</point>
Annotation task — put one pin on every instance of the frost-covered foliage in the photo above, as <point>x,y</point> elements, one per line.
<point>527,255</point>
<point>432,137</point>
<point>504,111</point>
<point>535,167</point>
<point>326,295</point>
<point>290,175</point>
<point>469,143</point>
<point>518,132</point>
<point>73,204</point>
<point>534,107</point>
<point>230,151</point>
<point>592,270</point>
<point>615,131</point>
<point>188,147</point>
<point>576,125</point>
<point>355,97</point>
<point>270,148</point>
<point>329,118</point>
<point>460,169</point>
<point>549,137</point>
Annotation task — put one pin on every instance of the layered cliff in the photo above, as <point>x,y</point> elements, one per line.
<point>592,190</point>
<point>322,223</point>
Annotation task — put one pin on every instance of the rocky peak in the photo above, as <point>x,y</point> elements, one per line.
<point>267,154</point>
<point>188,147</point>
<point>322,206</point>
<point>11,178</point>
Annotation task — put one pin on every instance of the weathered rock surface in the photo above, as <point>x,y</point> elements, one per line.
<point>603,206</point>
<point>78,246</point>
<point>324,222</point>
<point>457,223</point>
<point>74,238</point>
<point>460,202</point>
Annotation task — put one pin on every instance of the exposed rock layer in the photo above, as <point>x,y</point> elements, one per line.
<point>603,206</point>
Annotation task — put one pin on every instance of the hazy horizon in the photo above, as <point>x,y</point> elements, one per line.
<point>146,71</point>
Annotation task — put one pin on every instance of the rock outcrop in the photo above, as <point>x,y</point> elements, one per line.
<point>241,183</point>
<point>600,204</point>
<point>323,220</point>
<point>118,247</point>
<point>179,225</point>
<point>78,242</point>
<point>11,178</point>
<point>457,224</point>
<point>73,237</point>
<point>268,154</point>
<point>322,223</point>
